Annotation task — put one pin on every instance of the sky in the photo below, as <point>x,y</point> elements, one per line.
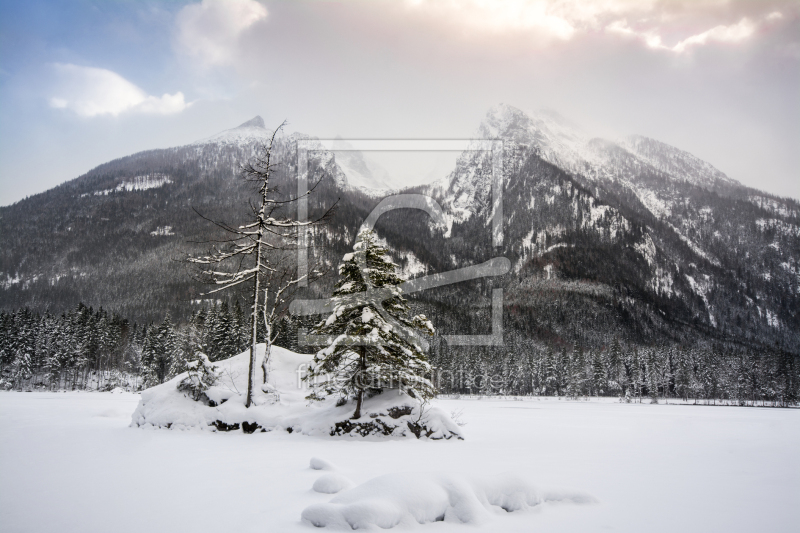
<point>83,82</point>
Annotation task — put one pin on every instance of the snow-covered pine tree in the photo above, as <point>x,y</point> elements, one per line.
<point>224,334</point>
<point>202,374</point>
<point>374,342</point>
<point>550,365</point>
<point>613,360</point>
<point>653,375</point>
<point>149,360</point>
<point>598,374</point>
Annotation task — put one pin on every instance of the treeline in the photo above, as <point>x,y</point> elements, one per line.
<point>87,349</point>
<point>703,373</point>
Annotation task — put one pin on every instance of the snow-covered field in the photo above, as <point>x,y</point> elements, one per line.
<point>69,462</point>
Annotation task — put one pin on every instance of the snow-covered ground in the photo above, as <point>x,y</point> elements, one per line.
<point>69,462</point>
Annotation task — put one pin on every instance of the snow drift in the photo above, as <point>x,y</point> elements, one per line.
<point>282,404</point>
<point>418,498</point>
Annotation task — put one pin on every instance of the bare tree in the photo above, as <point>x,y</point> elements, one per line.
<point>258,252</point>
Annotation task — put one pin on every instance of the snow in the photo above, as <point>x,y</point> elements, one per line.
<point>779,226</point>
<point>693,246</point>
<point>70,462</point>
<point>283,404</point>
<point>647,249</point>
<point>137,183</point>
<point>320,464</point>
<point>410,498</point>
<point>242,136</point>
<point>652,202</point>
<point>702,289</point>
<point>778,207</point>
<point>412,266</point>
<point>162,231</point>
<point>331,484</point>
<point>680,164</point>
<point>363,173</point>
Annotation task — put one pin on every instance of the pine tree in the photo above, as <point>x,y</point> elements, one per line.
<point>240,328</point>
<point>167,342</point>
<point>550,371</point>
<point>653,375</point>
<point>598,375</point>
<point>577,364</point>
<point>149,361</point>
<point>374,344</point>
<point>201,375</point>
<point>612,364</point>
<point>224,334</point>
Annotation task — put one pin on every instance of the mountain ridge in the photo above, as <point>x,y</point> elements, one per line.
<point>613,244</point>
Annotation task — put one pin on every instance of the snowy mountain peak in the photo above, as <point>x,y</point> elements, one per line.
<point>255,122</point>
<point>568,146</point>
<point>252,131</point>
<point>363,173</point>
<point>674,161</point>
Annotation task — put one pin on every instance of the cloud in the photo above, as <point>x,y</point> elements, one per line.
<point>210,31</point>
<point>732,33</point>
<point>694,22</point>
<point>90,92</point>
<point>554,19</point>
<point>723,34</point>
<point>494,15</point>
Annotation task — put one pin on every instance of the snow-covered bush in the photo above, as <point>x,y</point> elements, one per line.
<point>201,376</point>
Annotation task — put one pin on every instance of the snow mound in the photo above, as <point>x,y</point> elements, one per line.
<point>331,484</point>
<point>320,464</point>
<point>282,405</point>
<point>406,498</point>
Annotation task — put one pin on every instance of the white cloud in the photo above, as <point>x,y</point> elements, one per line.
<point>211,30</point>
<point>723,34</point>
<point>90,92</point>
<point>559,19</point>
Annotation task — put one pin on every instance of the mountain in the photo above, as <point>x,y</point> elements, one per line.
<point>353,169</point>
<point>363,173</point>
<point>627,239</point>
<point>662,226</point>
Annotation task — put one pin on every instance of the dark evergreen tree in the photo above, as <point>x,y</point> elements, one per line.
<point>374,344</point>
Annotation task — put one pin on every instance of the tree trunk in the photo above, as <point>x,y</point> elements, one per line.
<point>363,368</point>
<point>254,333</point>
<point>268,347</point>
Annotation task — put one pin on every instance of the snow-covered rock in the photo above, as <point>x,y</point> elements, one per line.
<point>320,464</point>
<point>283,405</point>
<point>331,484</point>
<point>407,499</point>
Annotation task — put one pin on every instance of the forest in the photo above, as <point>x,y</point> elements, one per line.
<point>87,349</point>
